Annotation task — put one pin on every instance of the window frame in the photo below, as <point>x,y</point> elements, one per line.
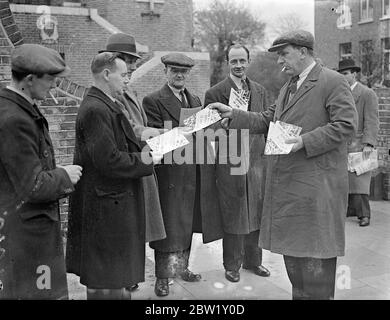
<point>370,13</point>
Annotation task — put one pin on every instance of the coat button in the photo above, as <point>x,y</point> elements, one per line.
<point>45,153</point>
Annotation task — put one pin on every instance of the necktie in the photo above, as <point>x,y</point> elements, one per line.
<point>245,90</point>
<point>291,89</point>
<point>183,99</point>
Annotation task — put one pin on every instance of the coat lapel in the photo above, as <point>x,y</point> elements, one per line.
<point>256,98</point>
<point>357,91</point>
<point>306,86</point>
<point>170,102</point>
<point>125,124</point>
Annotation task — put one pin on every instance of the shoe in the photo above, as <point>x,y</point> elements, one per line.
<point>132,288</point>
<point>232,276</point>
<point>258,270</point>
<point>189,276</point>
<point>161,288</point>
<point>364,222</point>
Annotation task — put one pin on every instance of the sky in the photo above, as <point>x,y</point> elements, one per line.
<point>269,10</point>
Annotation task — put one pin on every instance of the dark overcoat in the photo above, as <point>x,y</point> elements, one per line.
<point>240,195</point>
<point>106,235</point>
<point>30,186</point>
<point>306,192</point>
<point>366,103</point>
<point>184,196</point>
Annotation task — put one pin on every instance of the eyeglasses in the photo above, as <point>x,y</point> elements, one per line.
<point>179,70</point>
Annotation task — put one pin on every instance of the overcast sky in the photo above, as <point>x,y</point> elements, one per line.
<point>269,10</point>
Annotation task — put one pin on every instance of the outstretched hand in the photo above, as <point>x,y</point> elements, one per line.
<point>224,110</point>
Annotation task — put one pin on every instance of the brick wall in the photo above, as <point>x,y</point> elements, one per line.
<point>80,39</point>
<point>384,129</point>
<point>172,31</point>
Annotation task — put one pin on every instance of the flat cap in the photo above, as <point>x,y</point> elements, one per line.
<point>37,59</point>
<point>177,60</point>
<point>297,37</point>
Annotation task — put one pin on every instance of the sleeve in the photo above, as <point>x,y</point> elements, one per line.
<point>102,148</point>
<point>19,152</point>
<point>153,113</point>
<point>370,118</point>
<point>342,121</point>
<point>256,122</point>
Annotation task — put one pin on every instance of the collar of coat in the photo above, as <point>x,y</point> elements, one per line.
<point>305,87</point>
<point>172,104</point>
<point>128,130</point>
<point>22,103</point>
<point>357,91</point>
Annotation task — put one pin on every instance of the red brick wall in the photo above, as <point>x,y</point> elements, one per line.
<point>172,31</point>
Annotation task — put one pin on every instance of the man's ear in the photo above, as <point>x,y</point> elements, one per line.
<point>106,74</point>
<point>29,79</point>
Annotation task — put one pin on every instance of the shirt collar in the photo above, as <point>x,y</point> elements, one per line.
<point>174,90</point>
<point>237,80</point>
<point>305,72</point>
<point>21,93</point>
<point>354,85</point>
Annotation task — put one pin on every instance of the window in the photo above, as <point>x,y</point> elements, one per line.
<point>345,51</point>
<point>366,56</point>
<point>366,10</point>
<point>344,21</point>
<point>386,8</point>
<point>386,60</point>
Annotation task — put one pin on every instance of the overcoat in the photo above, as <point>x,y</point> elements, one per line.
<point>366,103</point>
<point>106,232</point>
<point>240,195</point>
<point>185,197</point>
<point>154,224</point>
<point>306,191</point>
<point>30,186</point>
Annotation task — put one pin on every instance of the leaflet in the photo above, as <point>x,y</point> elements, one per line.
<point>277,134</point>
<point>360,166</point>
<point>202,119</point>
<point>167,141</point>
<point>237,101</point>
<point>186,113</point>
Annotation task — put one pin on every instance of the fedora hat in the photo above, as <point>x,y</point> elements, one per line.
<point>348,64</point>
<point>123,43</point>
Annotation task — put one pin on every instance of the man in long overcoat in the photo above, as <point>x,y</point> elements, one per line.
<point>306,191</point>
<point>184,195</point>
<point>366,103</point>
<point>240,195</point>
<point>32,264</point>
<point>106,236</point>
<point>126,46</point>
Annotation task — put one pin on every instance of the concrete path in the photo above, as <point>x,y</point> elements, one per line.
<point>362,274</point>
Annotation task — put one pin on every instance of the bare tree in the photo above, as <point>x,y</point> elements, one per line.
<point>372,63</point>
<point>288,22</point>
<point>222,24</point>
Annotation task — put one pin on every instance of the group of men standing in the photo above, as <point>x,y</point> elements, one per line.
<point>124,195</point>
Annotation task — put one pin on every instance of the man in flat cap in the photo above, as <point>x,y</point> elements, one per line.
<point>124,44</point>
<point>30,182</point>
<point>306,191</point>
<point>241,195</point>
<point>179,184</point>
<point>106,233</point>
<point>365,140</point>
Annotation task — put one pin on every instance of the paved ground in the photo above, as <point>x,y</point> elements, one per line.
<point>363,274</point>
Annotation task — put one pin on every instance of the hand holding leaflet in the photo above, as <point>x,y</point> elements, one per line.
<point>278,133</point>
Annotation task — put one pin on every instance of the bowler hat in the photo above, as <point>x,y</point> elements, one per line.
<point>177,60</point>
<point>297,37</point>
<point>37,59</point>
<point>348,64</point>
<point>123,43</point>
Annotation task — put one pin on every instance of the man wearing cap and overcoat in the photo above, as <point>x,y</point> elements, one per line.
<point>32,259</point>
<point>184,195</point>
<point>364,141</point>
<point>306,191</point>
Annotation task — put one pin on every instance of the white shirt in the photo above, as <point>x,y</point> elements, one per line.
<point>353,86</point>
<point>237,81</point>
<point>303,75</point>
<point>176,92</point>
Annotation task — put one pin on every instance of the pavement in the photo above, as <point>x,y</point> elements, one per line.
<point>362,274</point>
